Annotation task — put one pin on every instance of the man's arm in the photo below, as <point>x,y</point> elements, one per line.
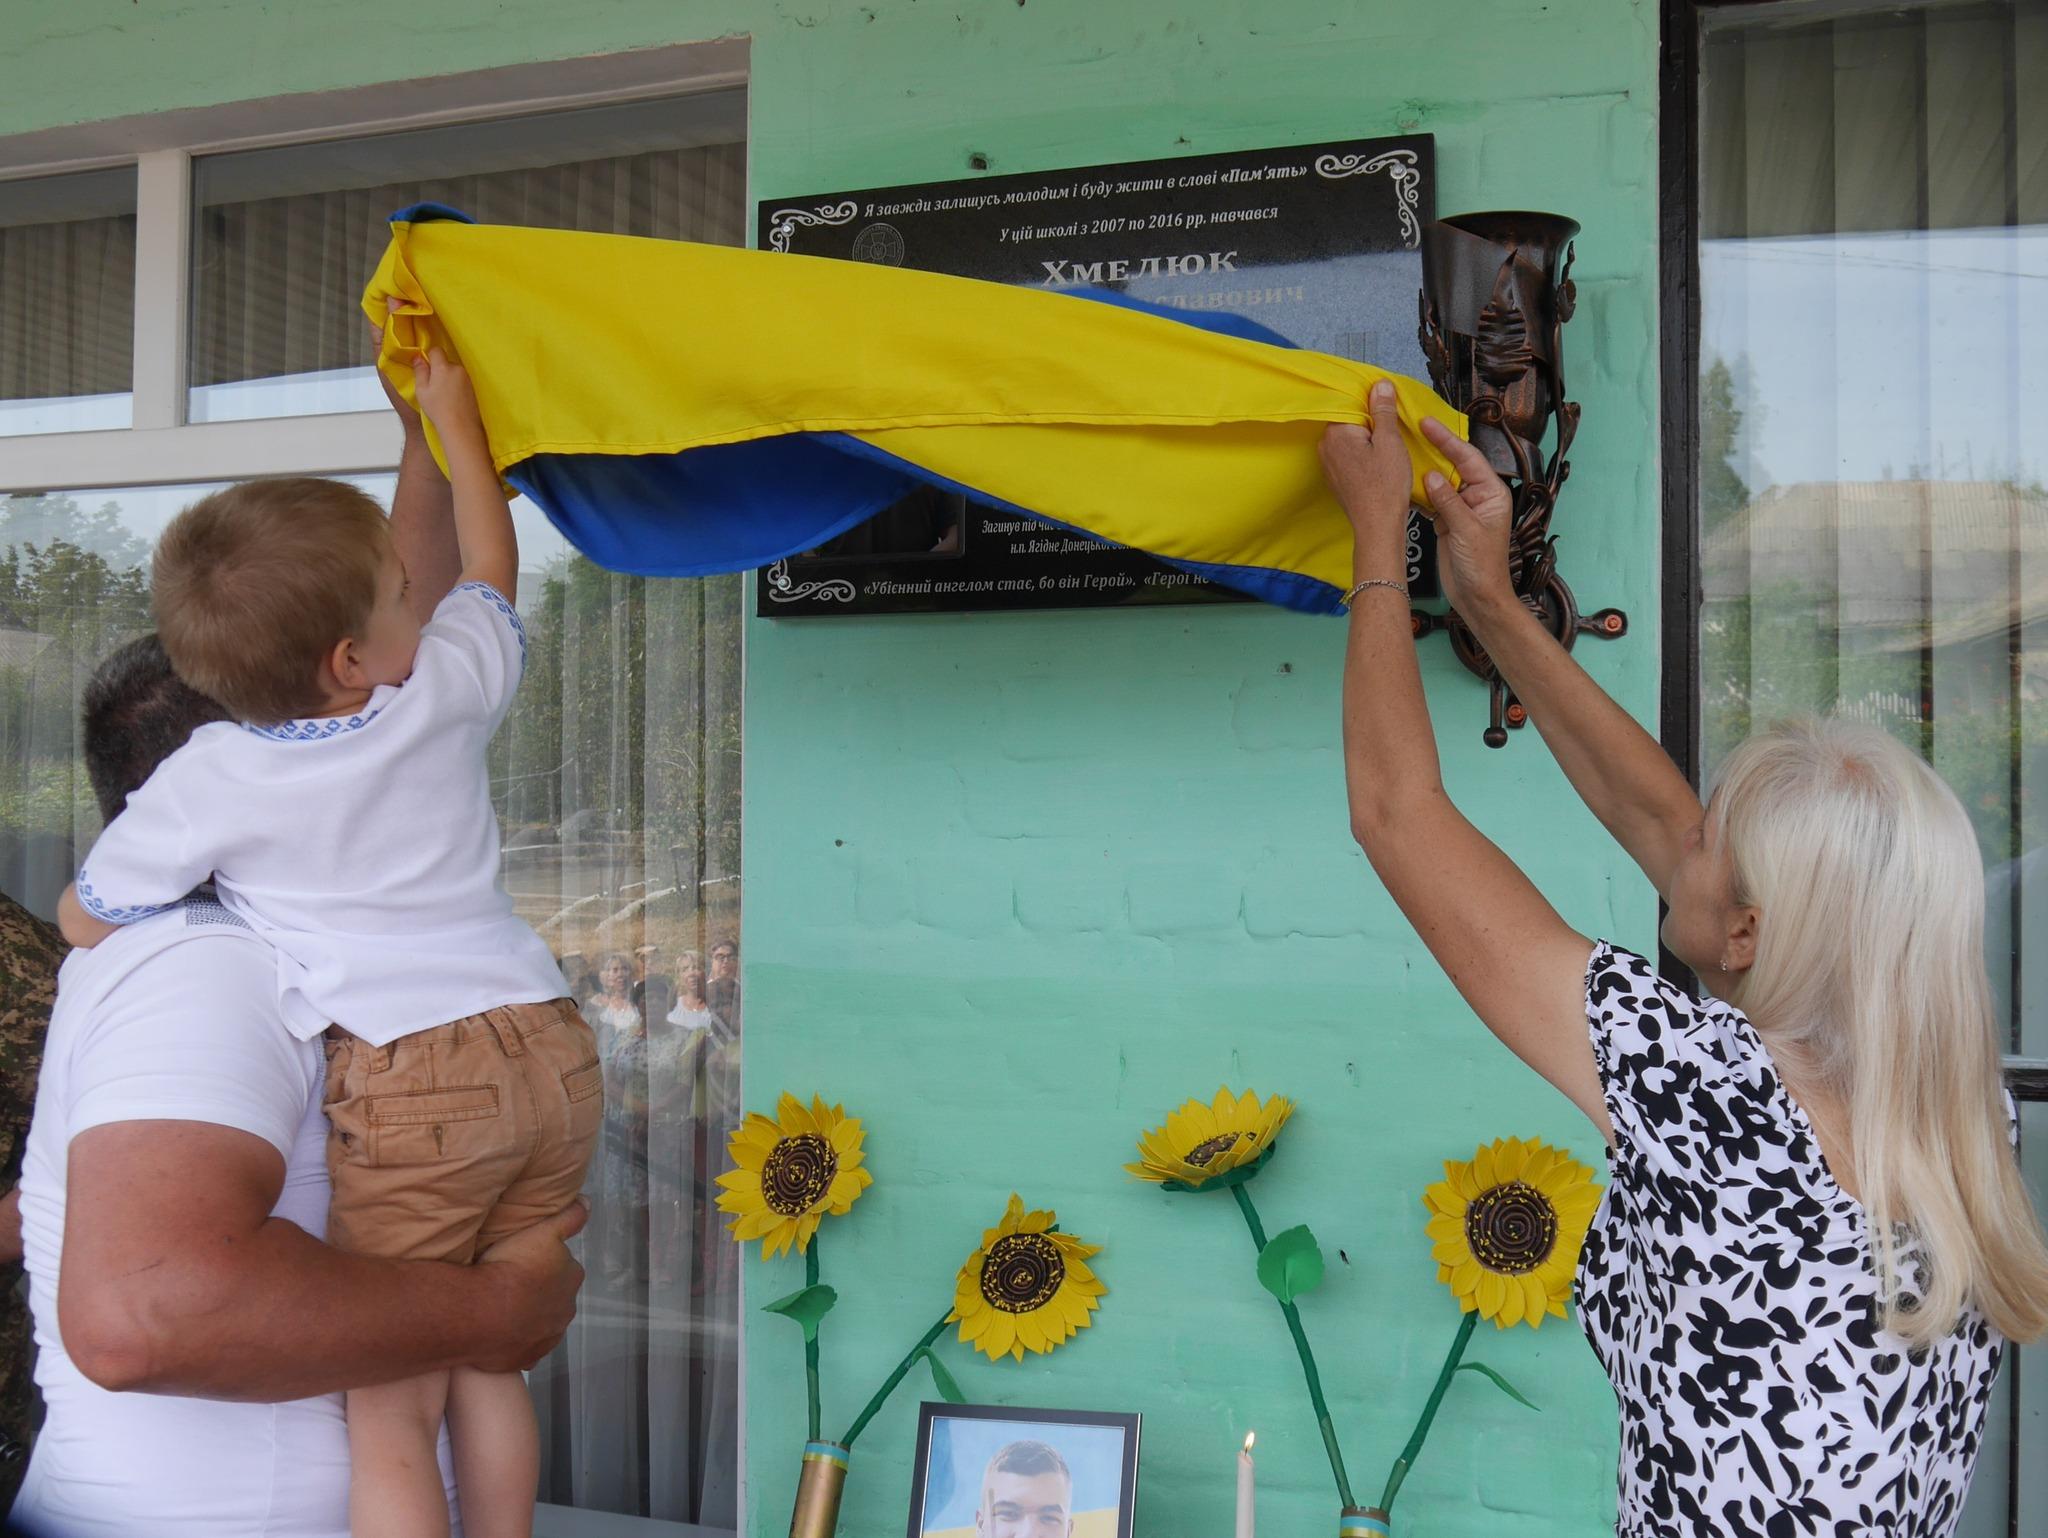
<point>176,1280</point>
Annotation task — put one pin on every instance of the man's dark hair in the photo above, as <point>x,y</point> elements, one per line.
<point>138,712</point>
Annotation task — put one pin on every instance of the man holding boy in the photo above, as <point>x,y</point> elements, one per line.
<point>196,1333</point>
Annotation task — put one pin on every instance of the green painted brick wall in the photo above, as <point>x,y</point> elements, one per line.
<point>1016,885</point>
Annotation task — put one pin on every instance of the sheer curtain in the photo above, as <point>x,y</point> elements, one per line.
<point>620,783</point>
<point>1874,443</point>
<point>277,279</point>
<point>67,301</point>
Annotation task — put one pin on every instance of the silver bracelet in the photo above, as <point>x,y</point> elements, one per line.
<point>1399,587</point>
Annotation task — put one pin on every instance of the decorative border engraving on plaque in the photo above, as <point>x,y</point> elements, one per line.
<point>782,590</point>
<point>782,224</point>
<point>1400,168</point>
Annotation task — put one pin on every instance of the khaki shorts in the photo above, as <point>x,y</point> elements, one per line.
<point>454,1137</point>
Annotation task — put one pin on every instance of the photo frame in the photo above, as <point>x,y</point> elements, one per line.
<point>1003,1471</point>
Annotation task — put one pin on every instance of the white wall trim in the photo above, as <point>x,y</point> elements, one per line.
<point>350,443</point>
<point>388,106</point>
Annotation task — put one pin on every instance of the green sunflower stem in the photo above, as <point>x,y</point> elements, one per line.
<point>811,1343</point>
<point>860,1421</point>
<point>1413,1450</point>
<point>1308,1358</point>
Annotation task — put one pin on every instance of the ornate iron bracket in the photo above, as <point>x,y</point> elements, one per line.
<point>1496,293</point>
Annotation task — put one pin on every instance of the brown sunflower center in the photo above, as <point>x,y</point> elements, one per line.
<point>1022,1272</point>
<point>1200,1155</point>
<point>798,1172</point>
<point>1511,1228</point>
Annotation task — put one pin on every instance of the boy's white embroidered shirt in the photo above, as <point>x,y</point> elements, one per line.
<point>363,847</point>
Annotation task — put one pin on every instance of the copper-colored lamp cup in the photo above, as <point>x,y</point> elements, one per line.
<point>818,1488</point>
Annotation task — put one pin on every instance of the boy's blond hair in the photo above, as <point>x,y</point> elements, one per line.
<point>254,585</point>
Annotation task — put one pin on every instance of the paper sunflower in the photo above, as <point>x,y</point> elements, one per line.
<point>1026,1288</point>
<point>793,1169</point>
<point>1201,1142</point>
<point>1507,1229</point>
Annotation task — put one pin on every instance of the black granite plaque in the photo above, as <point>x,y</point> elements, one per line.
<point>1319,242</point>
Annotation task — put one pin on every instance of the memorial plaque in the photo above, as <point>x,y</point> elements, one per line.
<point>1319,242</point>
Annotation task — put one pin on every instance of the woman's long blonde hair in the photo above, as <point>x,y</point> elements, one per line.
<point>1869,979</point>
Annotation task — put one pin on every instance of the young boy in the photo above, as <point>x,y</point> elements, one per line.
<point>345,814</point>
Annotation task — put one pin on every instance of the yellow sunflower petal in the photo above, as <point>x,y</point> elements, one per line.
<point>1465,1278</point>
<point>1512,1298</point>
<point>1510,1158</point>
<point>1491,1293</point>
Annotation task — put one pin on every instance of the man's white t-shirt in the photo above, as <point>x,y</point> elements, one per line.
<point>363,847</point>
<point>175,1018</point>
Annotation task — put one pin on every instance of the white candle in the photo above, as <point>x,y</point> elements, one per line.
<point>1244,1488</point>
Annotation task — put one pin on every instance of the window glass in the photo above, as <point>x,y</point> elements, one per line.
<point>284,239</point>
<point>617,781</point>
<point>1874,409</point>
<point>1873,470</point>
<point>67,301</point>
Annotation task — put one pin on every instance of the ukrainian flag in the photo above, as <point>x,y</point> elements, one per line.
<point>681,409</point>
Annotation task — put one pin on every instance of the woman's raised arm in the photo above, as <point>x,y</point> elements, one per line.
<point>1625,778</point>
<point>1520,966</point>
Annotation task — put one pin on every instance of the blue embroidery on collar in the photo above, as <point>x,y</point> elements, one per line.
<point>497,600</point>
<point>314,728</point>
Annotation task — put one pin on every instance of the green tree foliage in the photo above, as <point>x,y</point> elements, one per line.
<point>1775,652</point>
<point>625,742</point>
<point>1722,490</point>
<point>71,589</point>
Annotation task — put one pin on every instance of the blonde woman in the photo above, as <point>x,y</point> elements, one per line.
<point>1816,1238</point>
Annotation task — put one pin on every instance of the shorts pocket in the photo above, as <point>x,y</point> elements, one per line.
<point>582,1083</point>
<point>455,1125</point>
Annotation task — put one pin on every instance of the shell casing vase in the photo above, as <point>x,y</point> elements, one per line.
<point>820,1483</point>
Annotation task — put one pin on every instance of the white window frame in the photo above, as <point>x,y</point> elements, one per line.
<point>161,447</point>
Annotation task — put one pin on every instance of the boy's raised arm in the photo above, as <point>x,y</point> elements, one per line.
<point>483,523</point>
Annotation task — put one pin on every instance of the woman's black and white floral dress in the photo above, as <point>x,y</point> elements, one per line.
<point>1726,1288</point>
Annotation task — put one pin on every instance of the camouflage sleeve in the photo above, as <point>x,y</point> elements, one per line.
<point>30,953</point>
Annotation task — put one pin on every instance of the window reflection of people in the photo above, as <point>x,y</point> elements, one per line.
<point>652,992</point>
<point>723,990</point>
<point>611,1005</point>
<point>576,969</point>
<point>1028,1492</point>
<point>620,1218</point>
<point>680,1048</point>
<point>692,1009</point>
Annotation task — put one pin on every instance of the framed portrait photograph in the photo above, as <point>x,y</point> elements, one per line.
<point>997,1471</point>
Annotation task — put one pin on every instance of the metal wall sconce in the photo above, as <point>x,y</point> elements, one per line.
<point>1496,293</point>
